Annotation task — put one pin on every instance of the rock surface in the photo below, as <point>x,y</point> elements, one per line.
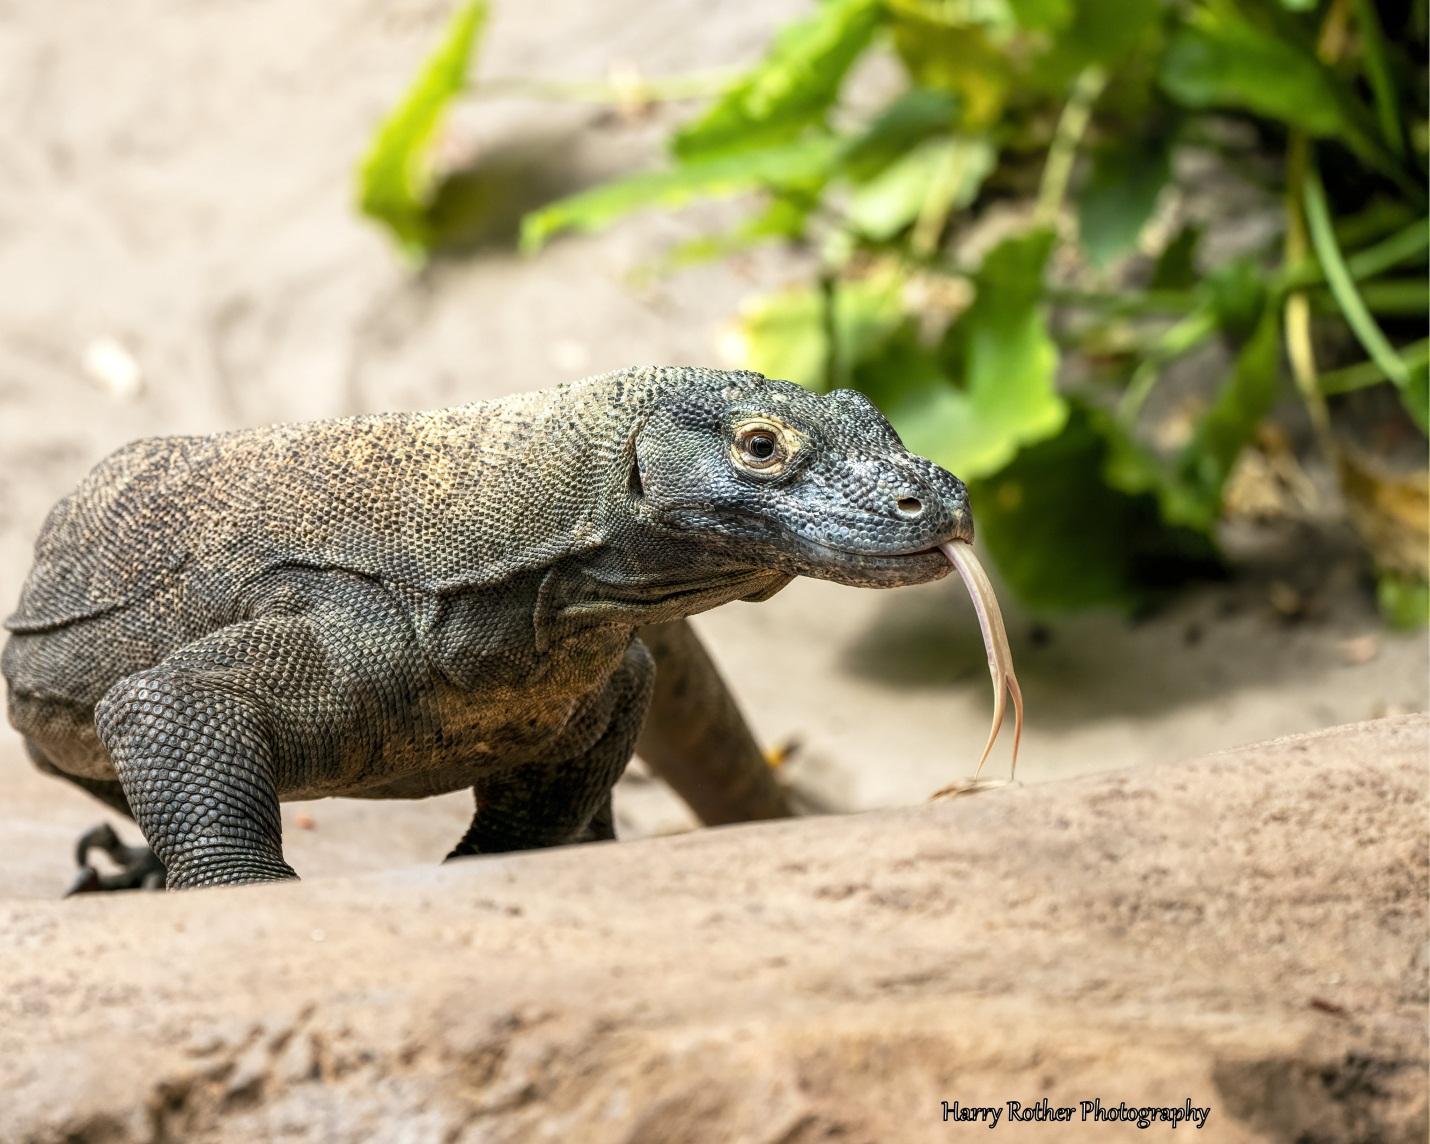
<point>1247,931</point>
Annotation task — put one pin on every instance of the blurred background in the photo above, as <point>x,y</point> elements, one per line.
<point>1150,276</point>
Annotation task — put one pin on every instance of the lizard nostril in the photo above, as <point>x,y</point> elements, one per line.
<point>910,506</point>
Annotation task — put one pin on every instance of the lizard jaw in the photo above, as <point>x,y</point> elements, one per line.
<point>920,562</point>
<point>869,569</point>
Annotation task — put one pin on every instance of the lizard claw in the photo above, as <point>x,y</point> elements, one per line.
<point>139,868</point>
<point>86,881</point>
<point>970,786</point>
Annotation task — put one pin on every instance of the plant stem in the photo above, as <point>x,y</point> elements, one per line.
<point>1185,335</point>
<point>829,317</point>
<point>1367,373</point>
<point>1297,312</point>
<point>1407,296</point>
<point>1399,247</point>
<point>1386,254</point>
<point>933,213</point>
<point>1072,124</point>
<point>1332,39</point>
<point>1395,297</point>
<point>1338,278</point>
<point>1365,264</point>
<point>1142,302</point>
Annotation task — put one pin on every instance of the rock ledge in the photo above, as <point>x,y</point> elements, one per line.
<point>1247,931</point>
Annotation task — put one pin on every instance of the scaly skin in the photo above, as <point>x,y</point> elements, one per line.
<point>402,605</point>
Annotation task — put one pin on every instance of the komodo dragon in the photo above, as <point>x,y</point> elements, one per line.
<point>407,604</point>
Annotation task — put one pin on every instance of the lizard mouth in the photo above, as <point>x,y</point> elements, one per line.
<point>873,569</point>
<point>926,551</point>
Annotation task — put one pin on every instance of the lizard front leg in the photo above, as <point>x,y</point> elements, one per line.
<point>204,741</point>
<point>567,800</point>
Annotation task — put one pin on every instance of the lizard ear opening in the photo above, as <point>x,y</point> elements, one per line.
<point>635,486</point>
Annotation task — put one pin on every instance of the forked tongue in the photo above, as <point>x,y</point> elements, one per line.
<point>995,642</point>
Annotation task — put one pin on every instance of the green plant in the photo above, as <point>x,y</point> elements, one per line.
<point>1062,134</point>
<point>397,183</point>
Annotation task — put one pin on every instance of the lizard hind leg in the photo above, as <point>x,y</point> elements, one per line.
<point>137,867</point>
<point>696,738</point>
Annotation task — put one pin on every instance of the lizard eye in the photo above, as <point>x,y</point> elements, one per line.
<point>760,447</point>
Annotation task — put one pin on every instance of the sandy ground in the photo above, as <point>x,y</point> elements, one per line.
<point>177,179</point>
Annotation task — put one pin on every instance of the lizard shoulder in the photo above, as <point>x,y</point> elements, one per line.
<point>108,542</point>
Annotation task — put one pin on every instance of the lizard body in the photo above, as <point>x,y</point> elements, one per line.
<point>406,604</point>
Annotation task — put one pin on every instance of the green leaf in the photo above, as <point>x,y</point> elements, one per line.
<point>1042,15</point>
<point>1338,277</point>
<point>1189,489</point>
<point>1008,363</point>
<point>905,123</point>
<point>1379,73</point>
<point>1236,292</point>
<point>786,335</point>
<point>1219,59</point>
<point>784,218</point>
<point>791,88</point>
<point>1176,266</point>
<point>1416,395</point>
<point>1120,195</point>
<point>909,385</point>
<point>1104,33</point>
<point>1009,359</point>
<point>938,175</point>
<point>950,54</point>
<point>395,181</point>
<point>1240,406</point>
<point>1063,537</point>
<point>1225,62</point>
<point>805,163</point>
<point>1404,601</point>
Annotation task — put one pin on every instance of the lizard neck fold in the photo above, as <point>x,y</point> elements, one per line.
<point>595,594</point>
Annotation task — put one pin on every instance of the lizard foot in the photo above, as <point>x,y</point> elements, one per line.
<point>138,867</point>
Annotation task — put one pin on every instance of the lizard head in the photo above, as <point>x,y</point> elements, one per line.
<point>771,476</point>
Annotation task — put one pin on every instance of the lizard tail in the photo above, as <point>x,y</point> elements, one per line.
<point>696,739</point>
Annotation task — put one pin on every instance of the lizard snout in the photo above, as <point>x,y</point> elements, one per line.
<point>928,498</point>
